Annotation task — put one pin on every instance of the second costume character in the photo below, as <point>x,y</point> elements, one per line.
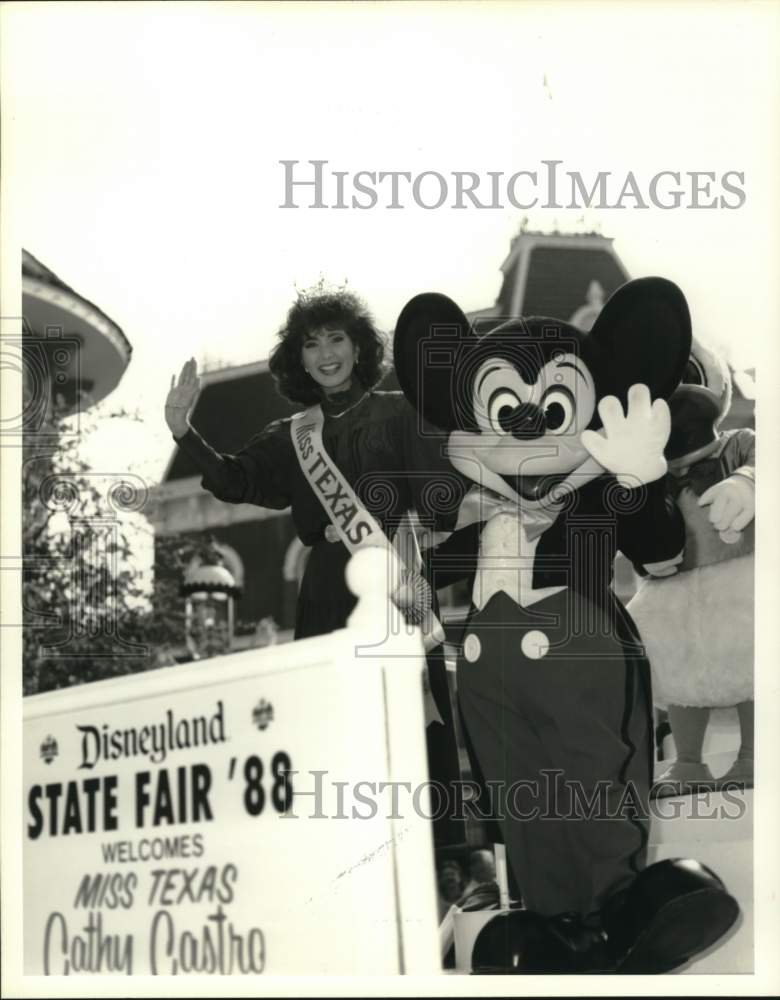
<point>695,615</point>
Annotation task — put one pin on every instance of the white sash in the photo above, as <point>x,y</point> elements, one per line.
<point>356,527</point>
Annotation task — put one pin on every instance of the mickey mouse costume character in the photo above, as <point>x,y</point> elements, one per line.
<point>695,615</point>
<point>563,435</point>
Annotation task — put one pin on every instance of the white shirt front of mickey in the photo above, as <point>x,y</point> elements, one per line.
<point>506,563</point>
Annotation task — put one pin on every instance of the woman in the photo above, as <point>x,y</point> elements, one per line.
<point>331,355</point>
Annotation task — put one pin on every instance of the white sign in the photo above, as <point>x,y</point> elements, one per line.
<point>258,813</point>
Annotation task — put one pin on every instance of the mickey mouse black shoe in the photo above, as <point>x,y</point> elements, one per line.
<point>672,911</point>
<point>522,942</point>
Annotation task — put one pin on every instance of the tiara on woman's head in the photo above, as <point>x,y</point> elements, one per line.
<point>319,290</point>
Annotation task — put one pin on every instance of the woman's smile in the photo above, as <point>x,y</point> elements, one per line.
<point>329,357</point>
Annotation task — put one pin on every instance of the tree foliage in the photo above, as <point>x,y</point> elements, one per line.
<point>88,613</point>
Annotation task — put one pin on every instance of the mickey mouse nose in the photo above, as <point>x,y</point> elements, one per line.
<point>525,421</point>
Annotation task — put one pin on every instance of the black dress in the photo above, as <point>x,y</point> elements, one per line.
<point>394,463</point>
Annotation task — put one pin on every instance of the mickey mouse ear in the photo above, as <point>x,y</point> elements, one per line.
<point>430,336</point>
<point>644,335</point>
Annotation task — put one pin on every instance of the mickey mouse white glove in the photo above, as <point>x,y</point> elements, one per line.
<point>631,445</point>
<point>732,504</point>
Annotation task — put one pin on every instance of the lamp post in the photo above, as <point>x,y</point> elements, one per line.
<point>209,614</point>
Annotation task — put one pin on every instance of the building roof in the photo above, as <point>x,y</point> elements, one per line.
<point>91,349</point>
<point>233,404</point>
<point>32,268</point>
<point>552,274</point>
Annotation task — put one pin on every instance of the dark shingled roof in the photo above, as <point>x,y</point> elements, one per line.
<point>230,409</point>
<point>558,280</point>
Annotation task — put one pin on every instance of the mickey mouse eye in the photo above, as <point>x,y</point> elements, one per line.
<point>559,410</point>
<point>500,406</point>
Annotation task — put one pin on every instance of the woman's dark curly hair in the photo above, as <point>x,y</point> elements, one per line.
<point>333,310</point>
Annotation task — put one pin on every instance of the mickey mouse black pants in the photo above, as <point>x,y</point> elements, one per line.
<point>558,717</point>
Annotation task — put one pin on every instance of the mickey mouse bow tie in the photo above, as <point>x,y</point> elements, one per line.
<point>481,504</point>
